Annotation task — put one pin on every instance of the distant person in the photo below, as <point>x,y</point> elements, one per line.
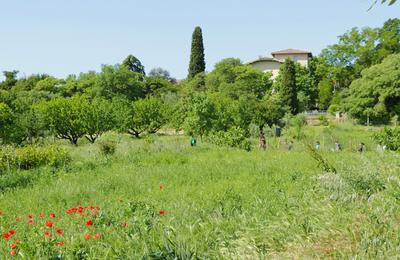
<point>317,145</point>
<point>361,147</point>
<point>263,142</point>
<point>338,146</point>
<point>193,141</point>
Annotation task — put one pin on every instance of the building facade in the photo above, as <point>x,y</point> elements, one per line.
<point>273,64</point>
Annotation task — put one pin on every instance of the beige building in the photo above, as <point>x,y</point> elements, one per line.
<point>272,64</point>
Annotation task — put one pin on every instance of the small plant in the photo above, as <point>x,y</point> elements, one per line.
<point>234,137</point>
<point>389,137</point>
<point>108,148</point>
<point>322,162</point>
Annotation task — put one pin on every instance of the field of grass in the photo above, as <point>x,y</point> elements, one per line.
<point>160,198</point>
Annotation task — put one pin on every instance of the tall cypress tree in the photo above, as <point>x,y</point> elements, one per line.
<point>197,64</point>
<point>288,87</point>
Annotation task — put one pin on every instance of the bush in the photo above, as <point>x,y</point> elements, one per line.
<point>108,148</point>
<point>234,137</point>
<point>32,156</point>
<point>389,137</point>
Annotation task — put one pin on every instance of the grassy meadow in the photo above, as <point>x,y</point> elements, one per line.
<point>159,198</point>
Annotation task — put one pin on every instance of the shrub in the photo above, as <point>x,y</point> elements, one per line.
<point>390,137</point>
<point>108,148</point>
<point>234,137</point>
<point>32,156</point>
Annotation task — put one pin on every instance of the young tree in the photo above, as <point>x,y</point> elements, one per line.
<point>197,63</point>
<point>325,93</point>
<point>66,117</point>
<point>10,81</point>
<point>98,118</point>
<point>200,114</point>
<point>288,86</point>
<point>144,115</point>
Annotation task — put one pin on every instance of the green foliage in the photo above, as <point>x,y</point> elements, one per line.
<point>107,147</point>
<point>287,86</point>
<point>389,137</point>
<point>197,63</point>
<point>325,93</point>
<point>66,117</point>
<point>10,79</point>
<point>32,156</point>
<point>146,115</point>
<point>268,111</point>
<point>322,162</point>
<point>98,118</point>
<point>376,96</point>
<point>234,137</point>
<point>133,64</point>
<point>200,114</point>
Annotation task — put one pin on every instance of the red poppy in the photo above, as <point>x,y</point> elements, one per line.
<point>52,215</point>
<point>162,212</point>
<point>59,231</point>
<point>11,231</point>
<point>89,223</point>
<point>13,246</point>
<point>61,243</point>
<point>125,225</point>
<point>6,235</point>
<point>46,234</point>
<point>88,237</point>
<point>97,236</point>
<point>30,216</point>
<point>18,219</point>
<point>41,215</point>
<point>31,222</point>
<point>49,224</point>
<point>12,253</point>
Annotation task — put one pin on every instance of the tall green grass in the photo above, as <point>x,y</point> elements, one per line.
<point>218,202</point>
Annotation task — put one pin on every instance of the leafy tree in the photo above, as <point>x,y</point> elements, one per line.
<point>144,115</point>
<point>28,83</point>
<point>161,73</point>
<point>66,117</point>
<point>325,93</point>
<point>10,81</point>
<point>288,86</point>
<point>389,39</point>
<point>118,81</point>
<point>5,121</point>
<point>197,63</point>
<point>376,95</point>
<point>200,114</point>
<point>49,84</point>
<point>98,118</point>
<point>269,111</point>
<point>133,64</point>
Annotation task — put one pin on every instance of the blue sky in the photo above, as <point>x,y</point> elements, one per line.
<point>71,36</point>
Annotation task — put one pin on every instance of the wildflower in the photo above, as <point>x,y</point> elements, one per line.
<point>61,243</point>
<point>41,215</point>
<point>162,212</point>
<point>89,223</point>
<point>88,237</point>
<point>13,246</point>
<point>31,222</point>
<point>125,225</point>
<point>59,231</point>
<point>49,224</point>
<point>6,235</point>
<point>11,231</point>
<point>97,236</point>
<point>18,219</point>
<point>52,215</point>
<point>12,253</point>
<point>30,216</point>
<point>46,234</point>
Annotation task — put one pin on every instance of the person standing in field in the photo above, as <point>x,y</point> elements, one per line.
<point>317,145</point>
<point>338,146</point>
<point>193,141</point>
<point>263,142</point>
<point>361,147</point>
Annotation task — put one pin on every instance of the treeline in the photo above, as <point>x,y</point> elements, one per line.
<point>359,75</point>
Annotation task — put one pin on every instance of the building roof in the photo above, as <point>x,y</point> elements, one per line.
<point>264,59</point>
<point>291,51</point>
